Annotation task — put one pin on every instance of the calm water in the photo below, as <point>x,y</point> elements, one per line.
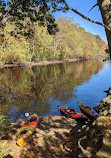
<point>41,88</point>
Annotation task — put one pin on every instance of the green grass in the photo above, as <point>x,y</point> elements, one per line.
<point>4,125</point>
<point>4,149</point>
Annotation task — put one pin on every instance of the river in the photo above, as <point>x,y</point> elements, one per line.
<point>41,88</point>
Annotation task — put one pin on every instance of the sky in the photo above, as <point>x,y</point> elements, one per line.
<point>83,6</point>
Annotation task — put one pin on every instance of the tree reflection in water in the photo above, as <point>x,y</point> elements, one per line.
<point>34,86</point>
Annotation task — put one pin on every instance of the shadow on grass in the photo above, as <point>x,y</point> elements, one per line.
<point>12,131</point>
<point>8,156</point>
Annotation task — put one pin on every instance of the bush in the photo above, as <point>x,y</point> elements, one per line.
<point>4,125</point>
<point>12,58</point>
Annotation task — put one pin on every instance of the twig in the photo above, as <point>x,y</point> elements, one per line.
<point>93,7</point>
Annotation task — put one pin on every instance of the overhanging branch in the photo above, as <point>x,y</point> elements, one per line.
<point>93,7</point>
<point>96,22</point>
<point>9,9</point>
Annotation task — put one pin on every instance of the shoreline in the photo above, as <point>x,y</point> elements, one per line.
<point>59,136</point>
<point>40,63</point>
<point>46,62</point>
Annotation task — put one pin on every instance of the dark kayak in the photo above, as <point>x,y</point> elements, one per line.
<point>69,112</point>
<point>27,129</point>
<point>88,110</point>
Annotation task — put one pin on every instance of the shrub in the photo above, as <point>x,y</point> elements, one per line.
<point>12,58</point>
<point>4,125</point>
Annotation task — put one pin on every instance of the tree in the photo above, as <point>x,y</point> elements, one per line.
<point>17,11</point>
<point>41,10</point>
<point>105,8</point>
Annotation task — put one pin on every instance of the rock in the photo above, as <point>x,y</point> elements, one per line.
<point>108,92</point>
<point>109,111</point>
<point>105,112</point>
<point>100,120</point>
<point>94,123</point>
<point>87,129</point>
<point>84,126</point>
<point>104,152</point>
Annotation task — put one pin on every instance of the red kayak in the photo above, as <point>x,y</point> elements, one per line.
<point>32,120</point>
<point>88,110</point>
<point>69,112</point>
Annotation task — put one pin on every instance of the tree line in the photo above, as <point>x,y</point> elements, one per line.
<point>70,41</point>
<point>17,11</point>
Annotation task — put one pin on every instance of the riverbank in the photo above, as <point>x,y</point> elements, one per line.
<point>60,137</point>
<point>45,62</point>
<point>55,137</point>
<point>104,121</point>
<point>34,63</point>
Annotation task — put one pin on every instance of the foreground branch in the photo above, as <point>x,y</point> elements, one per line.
<point>96,22</point>
<point>85,152</point>
<point>9,9</point>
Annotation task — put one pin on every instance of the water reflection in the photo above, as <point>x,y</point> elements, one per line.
<point>40,88</point>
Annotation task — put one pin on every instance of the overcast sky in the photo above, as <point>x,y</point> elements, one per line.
<point>83,6</point>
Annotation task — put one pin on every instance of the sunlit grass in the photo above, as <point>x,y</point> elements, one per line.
<point>4,125</point>
<point>4,149</point>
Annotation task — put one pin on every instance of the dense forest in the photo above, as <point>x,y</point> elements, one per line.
<point>70,41</point>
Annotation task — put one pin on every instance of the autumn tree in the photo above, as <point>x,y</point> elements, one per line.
<point>17,11</point>
<point>105,8</point>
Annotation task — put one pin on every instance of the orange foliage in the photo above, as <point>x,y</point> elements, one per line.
<point>102,42</point>
<point>65,38</point>
<point>16,74</point>
<point>90,52</point>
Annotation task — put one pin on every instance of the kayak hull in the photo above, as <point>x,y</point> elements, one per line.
<point>88,110</point>
<point>74,114</point>
<point>27,129</point>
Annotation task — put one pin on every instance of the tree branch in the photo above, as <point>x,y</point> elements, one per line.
<point>9,9</point>
<point>96,22</point>
<point>85,152</point>
<point>93,7</point>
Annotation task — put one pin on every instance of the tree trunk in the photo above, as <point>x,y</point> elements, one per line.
<point>105,8</point>
<point>3,50</point>
<point>32,52</point>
